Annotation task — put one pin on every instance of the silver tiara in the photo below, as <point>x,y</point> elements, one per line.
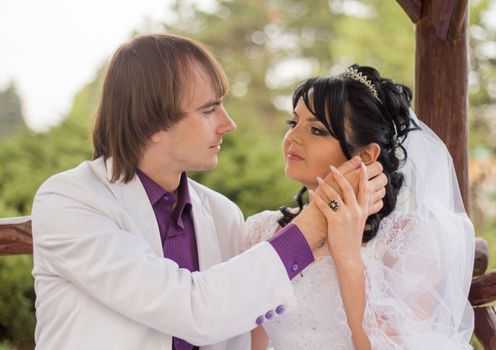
<point>358,76</point>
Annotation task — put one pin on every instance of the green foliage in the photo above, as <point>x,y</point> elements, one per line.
<point>483,77</point>
<point>17,319</point>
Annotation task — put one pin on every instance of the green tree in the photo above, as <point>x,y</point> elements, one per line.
<point>11,117</point>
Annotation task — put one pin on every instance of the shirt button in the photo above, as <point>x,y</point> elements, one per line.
<point>260,320</point>
<point>280,309</point>
<point>295,267</point>
<point>269,314</point>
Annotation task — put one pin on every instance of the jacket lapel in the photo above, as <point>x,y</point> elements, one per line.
<point>133,197</point>
<point>206,235</point>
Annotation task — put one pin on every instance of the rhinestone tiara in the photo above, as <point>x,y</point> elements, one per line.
<point>358,76</point>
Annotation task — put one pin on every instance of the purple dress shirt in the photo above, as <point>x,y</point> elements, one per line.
<point>175,222</point>
<point>176,228</point>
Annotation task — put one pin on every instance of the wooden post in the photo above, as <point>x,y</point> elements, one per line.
<point>441,75</point>
<point>441,100</point>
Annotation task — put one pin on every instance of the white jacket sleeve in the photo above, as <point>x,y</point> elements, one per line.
<point>78,240</point>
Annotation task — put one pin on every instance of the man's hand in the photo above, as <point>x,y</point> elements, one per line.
<point>377,181</point>
<point>313,225</point>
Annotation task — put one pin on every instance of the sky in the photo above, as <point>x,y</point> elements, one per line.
<point>52,48</point>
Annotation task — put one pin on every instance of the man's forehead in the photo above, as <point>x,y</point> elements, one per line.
<point>197,91</point>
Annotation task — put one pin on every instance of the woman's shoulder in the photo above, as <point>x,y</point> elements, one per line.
<point>260,227</point>
<point>266,215</point>
<point>399,231</point>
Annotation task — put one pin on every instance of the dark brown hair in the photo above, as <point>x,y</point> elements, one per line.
<point>141,96</point>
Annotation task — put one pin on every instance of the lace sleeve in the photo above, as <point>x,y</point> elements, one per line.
<point>258,228</point>
<point>415,298</point>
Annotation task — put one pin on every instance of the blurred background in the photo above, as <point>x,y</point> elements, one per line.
<point>54,56</point>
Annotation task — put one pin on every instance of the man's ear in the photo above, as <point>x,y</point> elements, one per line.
<point>157,137</point>
<point>370,153</point>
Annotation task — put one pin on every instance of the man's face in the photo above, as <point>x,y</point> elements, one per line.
<point>194,142</point>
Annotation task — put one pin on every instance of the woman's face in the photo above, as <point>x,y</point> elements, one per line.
<point>308,148</point>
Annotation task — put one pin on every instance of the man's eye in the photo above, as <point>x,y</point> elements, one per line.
<point>209,110</point>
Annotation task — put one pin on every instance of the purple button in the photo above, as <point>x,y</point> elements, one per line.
<point>269,314</point>
<point>295,267</point>
<point>280,309</point>
<point>260,320</point>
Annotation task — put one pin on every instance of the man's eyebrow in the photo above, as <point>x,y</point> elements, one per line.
<point>210,104</point>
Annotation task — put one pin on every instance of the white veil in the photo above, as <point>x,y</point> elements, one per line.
<point>417,290</point>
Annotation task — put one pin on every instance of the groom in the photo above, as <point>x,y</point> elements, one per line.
<point>129,253</point>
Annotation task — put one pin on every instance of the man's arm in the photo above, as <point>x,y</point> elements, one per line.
<point>90,245</point>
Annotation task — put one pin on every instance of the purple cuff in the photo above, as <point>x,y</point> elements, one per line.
<point>293,249</point>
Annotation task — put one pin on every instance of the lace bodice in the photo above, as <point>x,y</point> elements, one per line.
<point>402,279</point>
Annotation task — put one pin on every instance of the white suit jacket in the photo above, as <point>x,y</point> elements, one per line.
<point>102,282</point>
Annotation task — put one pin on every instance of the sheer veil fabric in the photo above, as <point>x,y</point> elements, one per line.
<point>418,268</point>
<point>417,290</point>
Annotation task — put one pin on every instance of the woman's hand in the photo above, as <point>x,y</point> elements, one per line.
<point>376,180</point>
<point>345,218</point>
<point>345,215</point>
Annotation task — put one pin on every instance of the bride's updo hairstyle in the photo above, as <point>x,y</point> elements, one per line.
<point>359,107</point>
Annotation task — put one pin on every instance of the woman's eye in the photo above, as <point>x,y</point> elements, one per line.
<point>291,123</point>
<point>317,131</point>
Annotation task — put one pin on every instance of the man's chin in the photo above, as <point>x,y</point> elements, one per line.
<point>206,167</point>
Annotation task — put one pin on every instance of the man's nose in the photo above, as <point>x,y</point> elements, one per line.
<point>226,124</point>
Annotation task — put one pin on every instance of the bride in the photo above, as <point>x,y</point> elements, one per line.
<point>398,279</point>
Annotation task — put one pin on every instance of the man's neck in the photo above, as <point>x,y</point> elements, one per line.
<point>168,180</point>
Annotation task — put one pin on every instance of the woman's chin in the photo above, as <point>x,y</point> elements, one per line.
<point>311,185</point>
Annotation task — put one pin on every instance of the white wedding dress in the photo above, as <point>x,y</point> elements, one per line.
<point>418,269</point>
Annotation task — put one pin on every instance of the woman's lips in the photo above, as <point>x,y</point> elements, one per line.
<point>294,156</point>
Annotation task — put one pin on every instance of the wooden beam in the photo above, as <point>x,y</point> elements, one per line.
<point>15,236</point>
<point>483,290</point>
<point>413,8</point>
<point>441,82</point>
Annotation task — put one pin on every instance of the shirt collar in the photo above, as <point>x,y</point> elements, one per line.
<point>183,199</point>
<point>155,192</point>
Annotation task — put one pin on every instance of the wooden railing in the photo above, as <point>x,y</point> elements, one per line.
<point>482,296</point>
<point>16,238</point>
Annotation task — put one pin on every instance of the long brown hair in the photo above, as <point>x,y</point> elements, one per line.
<point>142,93</point>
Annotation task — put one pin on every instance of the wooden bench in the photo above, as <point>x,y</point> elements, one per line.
<point>16,238</point>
